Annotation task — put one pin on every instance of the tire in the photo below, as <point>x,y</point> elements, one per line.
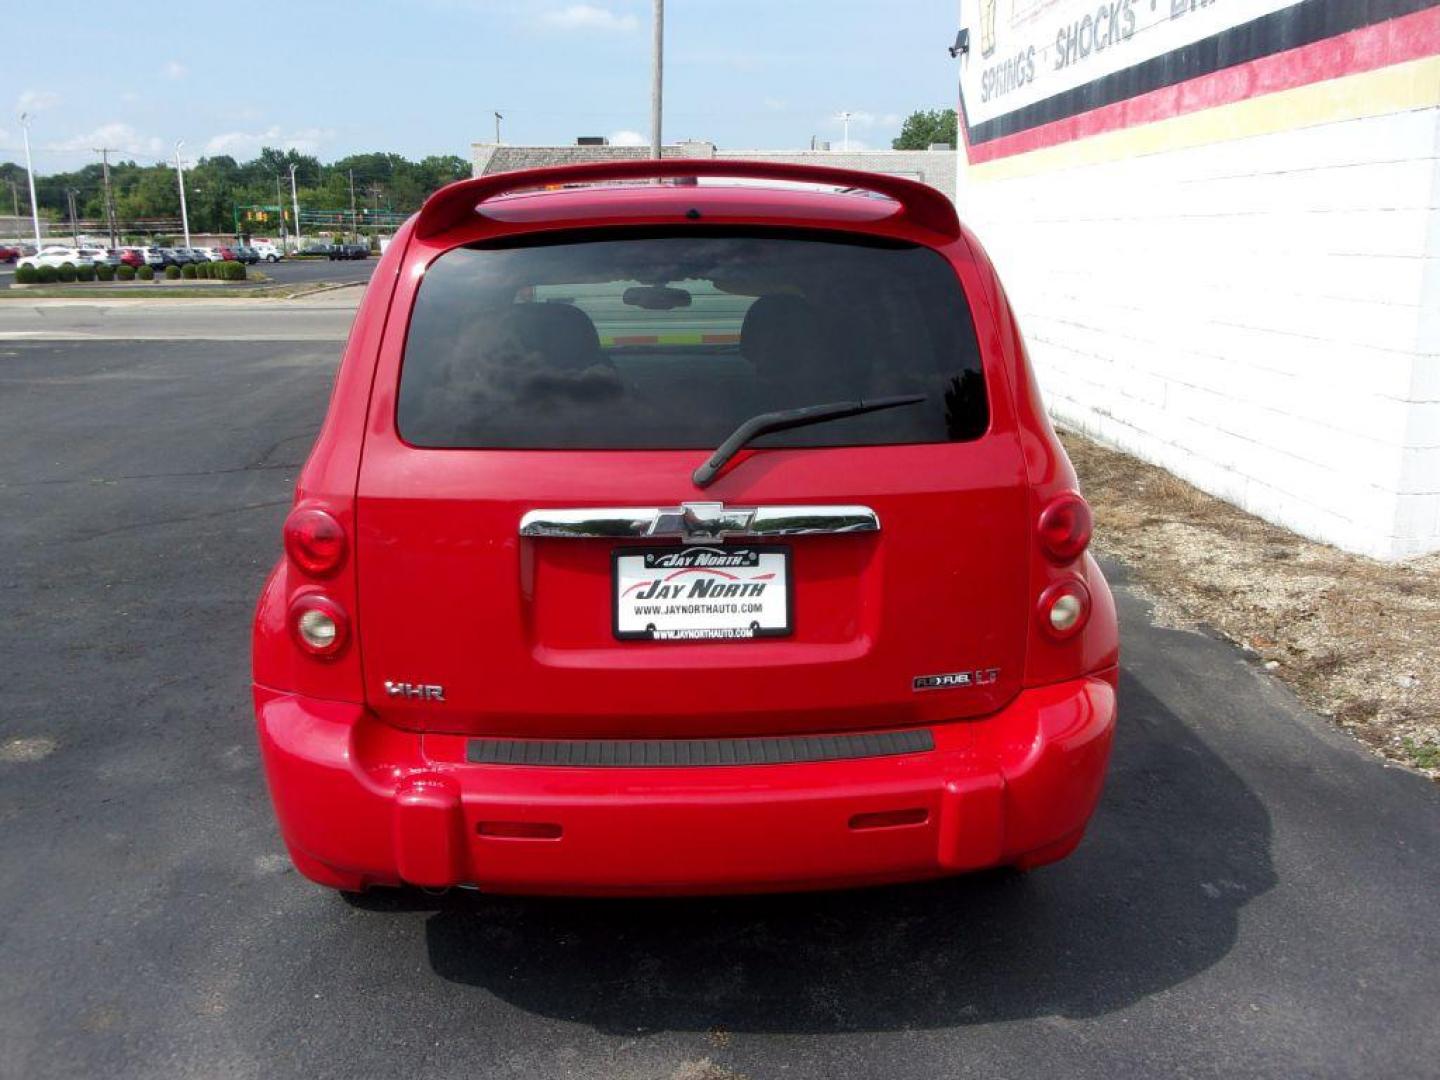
<point>272,258</point>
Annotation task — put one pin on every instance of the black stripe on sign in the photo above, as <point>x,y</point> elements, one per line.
<point>1301,24</point>
<point>695,753</point>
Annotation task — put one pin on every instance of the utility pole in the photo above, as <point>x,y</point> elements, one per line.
<point>295,202</point>
<point>498,118</point>
<point>180,172</point>
<point>280,209</point>
<point>105,153</point>
<point>374,193</point>
<point>657,76</point>
<point>74,228</point>
<point>354,222</point>
<point>844,118</point>
<point>15,197</point>
<point>30,175</point>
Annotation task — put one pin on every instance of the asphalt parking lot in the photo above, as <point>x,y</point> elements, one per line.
<point>1257,896</point>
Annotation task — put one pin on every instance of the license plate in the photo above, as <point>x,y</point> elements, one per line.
<point>701,593</point>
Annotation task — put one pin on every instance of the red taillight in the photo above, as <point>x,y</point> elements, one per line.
<point>314,541</point>
<point>1065,526</point>
<point>319,625</point>
<point>1064,608</point>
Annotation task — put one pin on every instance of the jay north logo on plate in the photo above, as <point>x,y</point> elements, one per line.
<point>702,593</point>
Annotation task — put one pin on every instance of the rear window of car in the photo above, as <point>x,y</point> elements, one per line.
<point>655,341</point>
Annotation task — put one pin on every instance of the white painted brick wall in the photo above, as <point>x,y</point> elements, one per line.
<point>1260,316</point>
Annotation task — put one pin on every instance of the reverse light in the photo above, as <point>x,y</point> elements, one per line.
<point>1065,526</point>
<point>1064,607</point>
<point>320,625</point>
<point>314,541</point>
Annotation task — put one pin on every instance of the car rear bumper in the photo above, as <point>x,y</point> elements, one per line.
<point>362,803</point>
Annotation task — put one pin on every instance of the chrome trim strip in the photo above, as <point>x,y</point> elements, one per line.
<point>698,522</point>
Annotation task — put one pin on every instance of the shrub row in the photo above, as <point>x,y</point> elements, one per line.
<point>48,275</point>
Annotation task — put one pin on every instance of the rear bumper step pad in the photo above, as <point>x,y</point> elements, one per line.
<point>692,753</point>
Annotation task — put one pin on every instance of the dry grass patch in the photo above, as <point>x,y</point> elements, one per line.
<point>1356,639</point>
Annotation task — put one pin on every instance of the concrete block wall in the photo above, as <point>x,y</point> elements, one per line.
<point>1259,315</point>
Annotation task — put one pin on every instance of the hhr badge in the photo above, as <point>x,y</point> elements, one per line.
<point>415,691</point>
<point>954,679</point>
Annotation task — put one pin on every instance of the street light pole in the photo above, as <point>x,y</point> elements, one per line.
<point>180,173</point>
<point>74,226</point>
<point>295,202</point>
<point>354,221</point>
<point>844,118</point>
<point>30,175</point>
<point>280,209</point>
<point>657,76</point>
<point>498,118</point>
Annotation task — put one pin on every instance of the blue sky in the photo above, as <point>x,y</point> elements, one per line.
<point>423,77</point>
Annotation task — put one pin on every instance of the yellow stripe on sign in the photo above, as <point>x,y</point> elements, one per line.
<point>1414,84</point>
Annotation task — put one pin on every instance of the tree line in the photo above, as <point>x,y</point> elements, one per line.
<point>216,185</point>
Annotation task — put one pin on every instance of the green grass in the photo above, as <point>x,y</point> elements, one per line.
<point>1424,755</point>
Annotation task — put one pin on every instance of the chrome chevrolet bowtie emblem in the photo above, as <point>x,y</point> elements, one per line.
<point>702,522</point>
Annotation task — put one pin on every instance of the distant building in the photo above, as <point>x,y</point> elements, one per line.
<point>1220,223</point>
<point>934,167</point>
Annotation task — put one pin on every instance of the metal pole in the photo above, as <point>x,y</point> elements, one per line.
<point>30,175</point>
<point>657,76</point>
<point>844,118</point>
<point>498,118</point>
<point>15,197</point>
<point>280,209</point>
<point>74,228</point>
<point>104,153</point>
<point>295,202</point>
<point>354,222</point>
<point>180,172</point>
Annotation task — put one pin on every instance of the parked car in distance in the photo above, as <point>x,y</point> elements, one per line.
<point>247,255</point>
<point>8,253</point>
<point>318,250</point>
<point>350,251</point>
<point>58,256</point>
<point>267,251</point>
<point>132,257</point>
<point>873,647</point>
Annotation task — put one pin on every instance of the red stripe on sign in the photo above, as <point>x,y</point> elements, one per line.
<point>639,339</point>
<point>1409,37</point>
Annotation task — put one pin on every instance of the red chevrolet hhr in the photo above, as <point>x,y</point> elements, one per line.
<point>683,527</point>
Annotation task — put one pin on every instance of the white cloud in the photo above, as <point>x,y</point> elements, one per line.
<point>589,17</point>
<point>628,138</point>
<point>174,69</point>
<point>33,101</point>
<point>117,136</point>
<point>246,144</point>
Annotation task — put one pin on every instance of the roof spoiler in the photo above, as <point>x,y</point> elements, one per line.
<point>458,203</point>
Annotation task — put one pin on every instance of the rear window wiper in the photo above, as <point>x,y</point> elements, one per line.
<point>785,419</point>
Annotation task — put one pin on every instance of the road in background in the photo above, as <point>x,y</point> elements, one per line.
<point>322,316</point>
<point>1256,896</point>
